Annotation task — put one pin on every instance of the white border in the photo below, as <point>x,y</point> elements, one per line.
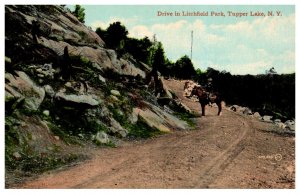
<point>144,2</point>
<point>156,2</point>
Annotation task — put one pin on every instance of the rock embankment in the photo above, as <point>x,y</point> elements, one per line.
<point>64,87</point>
<point>284,126</point>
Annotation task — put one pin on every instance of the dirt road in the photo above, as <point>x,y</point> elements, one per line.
<point>228,151</point>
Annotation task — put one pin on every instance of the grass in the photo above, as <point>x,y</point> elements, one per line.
<point>182,114</point>
<point>109,144</point>
<point>142,130</point>
<point>187,117</point>
<point>31,160</point>
<point>39,163</point>
<point>12,140</point>
<point>139,130</point>
<point>67,138</point>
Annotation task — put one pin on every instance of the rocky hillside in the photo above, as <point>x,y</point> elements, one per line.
<point>64,90</point>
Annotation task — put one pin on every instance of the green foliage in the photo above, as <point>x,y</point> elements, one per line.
<point>30,160</point>
<point>138,48</point>
<point>184,68</point>
<point>114,36</point>
<point>109,144</point>
<point>81,61</point>
<point>139,130</point>
<point>181,113</point>
<point>122,119</point>
<point>38,163</point>
<point>200,72</point>
<point>12,139</point>
<point>79,13</point>
<point>63,134</point>
<point>158,58</point>
<point>95,126</point>
<point>152,53</point>
<point>144,50</point>
<point>102,33</point>
<point>68,122</point>
<point>142,130</point>
<point>187,117</point>
<point>268,94</point>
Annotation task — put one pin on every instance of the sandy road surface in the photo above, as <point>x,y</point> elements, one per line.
<point>228,151</point>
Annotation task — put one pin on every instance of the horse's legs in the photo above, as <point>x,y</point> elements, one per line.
<point>203,108</point>
<point>220,108</point>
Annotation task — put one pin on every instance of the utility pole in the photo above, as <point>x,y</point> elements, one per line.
<point>191,45</point>
<point>154,39</point>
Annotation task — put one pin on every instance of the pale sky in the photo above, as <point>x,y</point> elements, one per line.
<point>240,45</point>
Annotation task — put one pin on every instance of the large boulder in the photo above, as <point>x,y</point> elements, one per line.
<point>267,118</point>
<point>256,115</point>
<point>79,101</point>
<point>280,125</point>
<point>128,68</point>
<point>159,119</point>
<point>240,109</point>
<point>101,137</point>
<point>290,124</point>
<point>166,89</point>
<point>116,128</point>
<point>277,121</point>
<point>49,90</point>
<point>115,92</point>
<point>247,111</point>
<point>102,117</point>
<point>133,118</point>
<point>22,87</point>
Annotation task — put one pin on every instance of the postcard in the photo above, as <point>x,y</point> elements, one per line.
<point>150,96</point>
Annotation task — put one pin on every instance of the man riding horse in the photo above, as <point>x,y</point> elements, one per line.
<point>207,96</point>
<point>209,89</point>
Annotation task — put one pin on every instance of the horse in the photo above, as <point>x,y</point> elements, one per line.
<point>206,98</point>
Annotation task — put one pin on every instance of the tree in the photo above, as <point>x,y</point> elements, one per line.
<point>184,68</point>
<point>169,68</point>
<point>138,48</point>
<point>102,33</point>
<point>79,13</point>
<point>116,35</point>
<point>158,61</point>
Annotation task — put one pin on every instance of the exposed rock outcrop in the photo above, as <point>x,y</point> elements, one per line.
<point>59,28</point>
<point>161,120</point>
<point>80,100</point>
<point>63,87</point>
<point>288,126</point>
<point>22,87</point>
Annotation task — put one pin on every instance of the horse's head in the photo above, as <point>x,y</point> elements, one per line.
<point>187,85</point>
<point>198,91</point>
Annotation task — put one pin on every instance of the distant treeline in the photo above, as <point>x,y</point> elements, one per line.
<point>269,94</point>
<point>145,50</point>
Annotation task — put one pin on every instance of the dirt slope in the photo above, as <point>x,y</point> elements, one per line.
<point>228,151</point>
